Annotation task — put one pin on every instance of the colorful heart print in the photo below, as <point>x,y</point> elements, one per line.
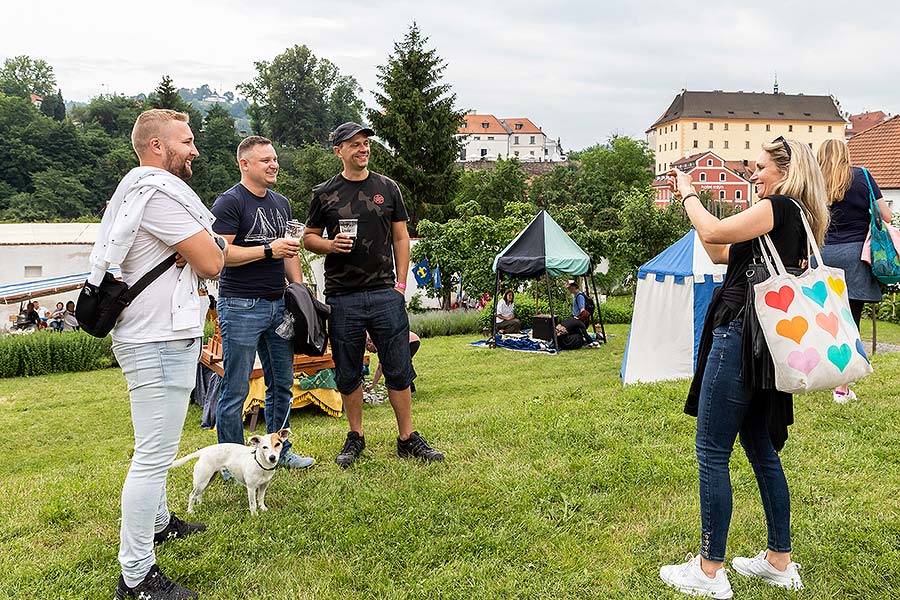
<point>781,299</point>
<point>848,316</point>
<point>794,329</point>
<point>840,356</point>
<point>804,361</point>
<point>837,284</point>
<point>862,351</point>
<point>816,292</point>
<point>828,322</point>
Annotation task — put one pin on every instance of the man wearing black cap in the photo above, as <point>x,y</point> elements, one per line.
<point>361,287</point>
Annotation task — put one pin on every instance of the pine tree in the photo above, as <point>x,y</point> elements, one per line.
<point>418,121</point>
<point>167,95</point>
<point>54,106</point>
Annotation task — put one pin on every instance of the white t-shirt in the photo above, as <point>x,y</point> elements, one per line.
<point>149,318</point>
<point>504,310</point>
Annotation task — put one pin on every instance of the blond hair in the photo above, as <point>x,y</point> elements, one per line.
<point>834,159</point>
<point>149,125</point>
<point>250,142</point>
<point>803,182</point>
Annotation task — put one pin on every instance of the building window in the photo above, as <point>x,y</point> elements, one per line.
<point>531,152</point>
<point>33,270</point>
<point>695,126</point>
<point>829,129</point>
<point>810,145</point>
<point>768,127</point>
<point>516,152</point>
<point>516,140</point>
<point>518,126</point>
<point>464,125</point>
<point>490,137</point>
<point>726,145</point>
<point>696,143</point>
<point>710,144</point>
<point>737,194</point>
<point>532,140</point>
<point>462,154</point>
<point>810,128</point>
<point>676,145</point>
<point>790,128</point>
<point>709,162</point>
<point>726,126</point>
<point>483,152</point>
<point>721,194</point>
<point>702,176</point>
<point>710,126</point>
<point>477,138</point>
<point>746,145</point>
<point>485,125</point>
<point>676,126</point>
<point>746,126</point>
<point>721,176</point>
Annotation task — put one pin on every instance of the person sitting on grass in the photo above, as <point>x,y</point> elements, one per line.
<point>506,317</point>
<point>56,318</point>
<point>70,321</point>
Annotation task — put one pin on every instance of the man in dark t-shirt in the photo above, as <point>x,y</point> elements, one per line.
<point>251,295</point>
<point>364,218</point>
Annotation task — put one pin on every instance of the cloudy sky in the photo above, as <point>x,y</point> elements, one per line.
<point>581,70</point>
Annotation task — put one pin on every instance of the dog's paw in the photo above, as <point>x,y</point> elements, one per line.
<point>263,507</point>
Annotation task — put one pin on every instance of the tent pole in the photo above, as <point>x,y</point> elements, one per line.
<point>493,342</point>
<point>597,305</point>
<point>552,317</point>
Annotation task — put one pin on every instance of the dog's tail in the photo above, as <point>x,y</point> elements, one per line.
<point>185,459</point>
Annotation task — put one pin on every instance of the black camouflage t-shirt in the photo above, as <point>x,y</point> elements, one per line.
<point>377,203</point>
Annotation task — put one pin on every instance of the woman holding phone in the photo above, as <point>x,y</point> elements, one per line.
<point>725,405</point>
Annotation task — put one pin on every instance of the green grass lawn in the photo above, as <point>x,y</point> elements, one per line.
<point>558,483</point>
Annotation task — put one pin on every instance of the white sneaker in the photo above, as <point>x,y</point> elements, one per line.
<point>844,398</point>
<point>758,566</point>
<point>690,579</point>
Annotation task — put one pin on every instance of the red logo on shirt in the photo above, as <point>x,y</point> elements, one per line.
<point>379,199</point>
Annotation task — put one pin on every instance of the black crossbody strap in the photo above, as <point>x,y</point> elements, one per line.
<point>147,279</point>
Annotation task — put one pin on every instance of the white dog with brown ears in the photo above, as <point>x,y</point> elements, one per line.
<point>252,466</point>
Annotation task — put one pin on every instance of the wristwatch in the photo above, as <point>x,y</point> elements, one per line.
<point>220,242</point>
<point>268,250</point>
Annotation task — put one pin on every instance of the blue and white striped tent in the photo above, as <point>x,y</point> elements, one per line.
<point>37,288</point>
<point>673,293</point>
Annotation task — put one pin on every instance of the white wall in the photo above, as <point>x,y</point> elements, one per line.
<point>499,146</point>
<point>892,197</point>
<point>54,260</point>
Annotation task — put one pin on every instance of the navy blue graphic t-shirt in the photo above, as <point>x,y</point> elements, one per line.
<point>253,221</point>
<point>377,203</point>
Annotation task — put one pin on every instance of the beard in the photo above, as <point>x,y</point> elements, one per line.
<point>177,166</point>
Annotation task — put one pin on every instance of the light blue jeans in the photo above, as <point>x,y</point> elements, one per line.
<point>248,328</point>
<point>160,377</point>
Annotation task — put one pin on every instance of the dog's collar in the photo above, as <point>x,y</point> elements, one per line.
<point>260,464</point>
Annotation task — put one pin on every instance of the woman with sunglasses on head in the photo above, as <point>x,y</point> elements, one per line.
<point>847,192</point>
<point>725,405</point>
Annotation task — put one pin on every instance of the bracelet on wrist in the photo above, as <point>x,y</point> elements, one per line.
<point>400,286</point>
<point>685,197</point>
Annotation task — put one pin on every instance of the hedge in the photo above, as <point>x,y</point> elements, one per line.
<point>45,352</point>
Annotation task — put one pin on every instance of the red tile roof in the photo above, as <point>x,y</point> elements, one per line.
<point>475,125</point>
<point>861,122</point>
<point>527,126</point>
<point>740,168</point>
<point>36,98</point>
<point>878,150</point>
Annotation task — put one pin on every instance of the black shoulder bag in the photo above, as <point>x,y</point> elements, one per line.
<point>99,306</point>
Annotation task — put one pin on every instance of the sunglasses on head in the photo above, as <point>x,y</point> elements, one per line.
<point>784,143</point>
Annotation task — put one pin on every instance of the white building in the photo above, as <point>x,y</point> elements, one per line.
<point>485,137</point>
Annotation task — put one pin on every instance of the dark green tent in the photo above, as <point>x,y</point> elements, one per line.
<point>543,248</point>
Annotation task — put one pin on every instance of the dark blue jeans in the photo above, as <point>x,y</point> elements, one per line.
<point>725,410</point>
<point>248,328</point>
<point>383,313</point>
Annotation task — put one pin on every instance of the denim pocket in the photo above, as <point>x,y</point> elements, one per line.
<point>240,303</point>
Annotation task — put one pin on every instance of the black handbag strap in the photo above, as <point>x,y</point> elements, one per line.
<point>147,279</point>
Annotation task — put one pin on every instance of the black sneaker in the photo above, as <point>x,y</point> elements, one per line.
<point>353,447</point>
<point>155,586</point>
<point>176,529</point>
<point>417,447</point>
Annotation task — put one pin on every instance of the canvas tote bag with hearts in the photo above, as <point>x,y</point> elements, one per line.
<point>807,324</point>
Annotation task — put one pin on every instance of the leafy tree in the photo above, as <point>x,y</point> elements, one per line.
<point>418,121</point>
<point>493,189</point>
<point>303,169</point>
<point>467,245</point>
<point>298,98</point>
<point>56,196</point>
<point>607,171</point>
<point>114,114</point>
<point>556,188</point>
<point>215,170</point>
<point>54,106</point>
<point>21,76</point>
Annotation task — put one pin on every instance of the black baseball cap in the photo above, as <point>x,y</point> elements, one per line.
<point>345,131</point>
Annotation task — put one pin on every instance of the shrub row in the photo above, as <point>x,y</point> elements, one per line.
<point>45,352</point>
<point>435,323</point>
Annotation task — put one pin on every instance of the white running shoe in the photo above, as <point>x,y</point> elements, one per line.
<point>690,579</point>
<point>844,398</point>
<point>758,566</point>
